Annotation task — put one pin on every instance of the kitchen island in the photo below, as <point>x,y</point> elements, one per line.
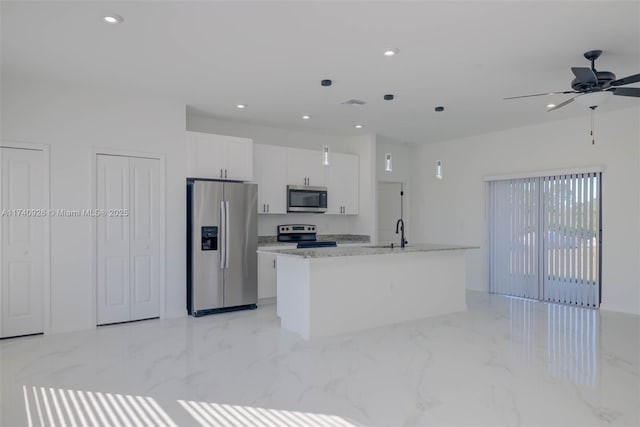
<point>327,291</point>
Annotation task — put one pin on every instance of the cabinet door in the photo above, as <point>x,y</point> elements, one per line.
<point>267,282</point>
<point>220,156</point>
<point>304,167</point>
<point>271,176</point>
<point>207,155</point>
<point>343,179</point>
<point>239,159</point>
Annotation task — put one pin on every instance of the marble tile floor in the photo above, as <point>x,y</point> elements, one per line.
<point>505,361</point>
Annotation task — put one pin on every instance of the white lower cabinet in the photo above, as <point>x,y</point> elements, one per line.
<point>267,280</point>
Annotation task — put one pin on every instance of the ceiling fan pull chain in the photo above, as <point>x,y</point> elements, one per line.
<point>593,121</point>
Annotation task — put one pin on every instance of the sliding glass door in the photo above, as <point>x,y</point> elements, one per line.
<point>513,237</point>
<point>544,238</point>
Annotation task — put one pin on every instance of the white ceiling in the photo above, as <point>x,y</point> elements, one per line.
<point>211,56</point>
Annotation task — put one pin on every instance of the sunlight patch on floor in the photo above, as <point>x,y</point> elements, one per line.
<point>56,406</point>
<point>215,414</point>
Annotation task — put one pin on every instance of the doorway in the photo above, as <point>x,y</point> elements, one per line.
<point>545,235</point>
<point>389,210</point>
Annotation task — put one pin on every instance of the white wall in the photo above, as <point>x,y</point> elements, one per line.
<point>401,166</point>
<point>452,210</point>
<point>327,224</point>
<point>365,221</point>
<point>399,158</point>
<point>73,122</point>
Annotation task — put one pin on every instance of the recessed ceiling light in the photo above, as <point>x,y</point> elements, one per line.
<point>306,117</point>
<point>113,19</point>
<point>391,51</point>
<point>551,105</point>
<point>241,106</point>
<point>358,126</point>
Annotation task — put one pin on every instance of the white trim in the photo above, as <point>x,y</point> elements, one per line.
<point>163,223</point>
<point>539,174</point>
<point>46,268</point>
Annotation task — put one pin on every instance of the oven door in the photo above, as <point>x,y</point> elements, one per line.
<point>302,198</point>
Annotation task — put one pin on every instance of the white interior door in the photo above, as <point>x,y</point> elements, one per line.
<point>113,286</point>
<point>128,246</point>
<point>389,211</point>
<point>144,241</point>
<point>22,235</point>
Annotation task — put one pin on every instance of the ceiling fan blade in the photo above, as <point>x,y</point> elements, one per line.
<point>626,91</point>
<point>567,102</point>
<point>541,94</point>
<point>585,75</point>
<point>626,80</point>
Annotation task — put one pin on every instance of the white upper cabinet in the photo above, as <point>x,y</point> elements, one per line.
<point>342,186</point>
<point>304,167</point>
<point>220,156</point>
<point>269,172</point>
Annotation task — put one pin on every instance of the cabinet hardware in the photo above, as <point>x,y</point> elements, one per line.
<point>267,207</point>
<point>220,172</point>
<point>274,263</point>
<point>264,208</point>
<point>225,173</point>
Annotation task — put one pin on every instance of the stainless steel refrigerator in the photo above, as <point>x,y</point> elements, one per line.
<point>222,239</point>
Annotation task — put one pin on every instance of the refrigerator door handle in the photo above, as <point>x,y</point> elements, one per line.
<point>223,221</point>
<point>226,235</point>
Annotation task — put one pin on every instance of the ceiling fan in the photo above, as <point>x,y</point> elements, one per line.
<point>591,81</point>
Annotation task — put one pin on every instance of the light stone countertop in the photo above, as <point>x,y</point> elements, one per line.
<point>364,250</point>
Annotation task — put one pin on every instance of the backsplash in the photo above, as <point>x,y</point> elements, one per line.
<point>339,238</point>
<point>326,224</point>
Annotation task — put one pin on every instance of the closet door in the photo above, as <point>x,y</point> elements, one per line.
<point>128,248</point>
<point>22,231</point>
<point>113,278</point>
<point>144,238</point>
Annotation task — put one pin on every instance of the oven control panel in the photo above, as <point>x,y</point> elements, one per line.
<point>296,232</point>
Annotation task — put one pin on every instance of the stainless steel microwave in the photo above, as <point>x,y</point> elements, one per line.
<point>304,198</point>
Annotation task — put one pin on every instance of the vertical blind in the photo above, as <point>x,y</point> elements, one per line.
<point>544,238</point>
<point>513,213</point>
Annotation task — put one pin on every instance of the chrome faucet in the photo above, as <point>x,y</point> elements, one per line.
<point>400,229</point>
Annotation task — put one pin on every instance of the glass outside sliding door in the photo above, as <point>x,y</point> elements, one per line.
<point>545,238</point>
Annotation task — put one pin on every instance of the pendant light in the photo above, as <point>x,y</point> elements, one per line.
<point>325,155</point>
<point>388,167</point>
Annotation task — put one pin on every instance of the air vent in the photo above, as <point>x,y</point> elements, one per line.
<point>353,102</point>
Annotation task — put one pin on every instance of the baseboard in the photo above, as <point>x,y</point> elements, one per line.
<point>266,301</point>
<point>606,307</point>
